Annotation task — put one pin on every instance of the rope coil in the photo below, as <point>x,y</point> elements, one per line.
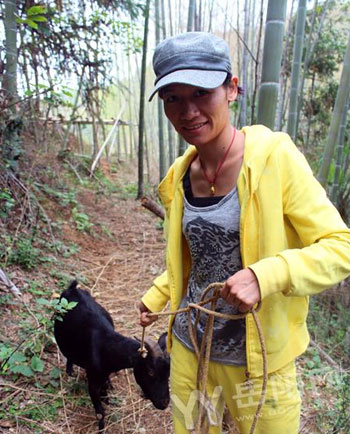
<point>203,352</point>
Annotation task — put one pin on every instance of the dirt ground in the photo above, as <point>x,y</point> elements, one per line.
<point>119,270</point>
<point>117,262</point>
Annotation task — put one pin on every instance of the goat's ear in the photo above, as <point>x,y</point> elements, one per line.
<point>163,342</point>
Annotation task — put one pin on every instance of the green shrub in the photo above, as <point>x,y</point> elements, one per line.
<point>26,358</point>
<point>81,220</point>
<point>6,202</point>
<point>23,253</point>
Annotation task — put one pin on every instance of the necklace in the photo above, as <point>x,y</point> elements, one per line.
<point>213,180</point>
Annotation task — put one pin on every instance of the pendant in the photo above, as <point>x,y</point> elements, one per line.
<point>212,189</point>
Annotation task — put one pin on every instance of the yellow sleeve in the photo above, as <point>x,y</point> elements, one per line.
<point>158,295</point>
<point>325,258</point>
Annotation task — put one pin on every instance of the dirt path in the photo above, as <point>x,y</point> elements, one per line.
<point>119,263</point>
<point>119,271</point>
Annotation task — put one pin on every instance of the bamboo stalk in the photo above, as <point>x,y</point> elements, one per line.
<point>340,102</point>
<point>268,92</point>
<point>297,54</point>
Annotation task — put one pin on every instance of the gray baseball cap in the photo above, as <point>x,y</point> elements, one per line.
<point>196,58</point>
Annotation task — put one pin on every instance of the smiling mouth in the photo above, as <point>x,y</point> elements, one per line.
<point>194,127</point>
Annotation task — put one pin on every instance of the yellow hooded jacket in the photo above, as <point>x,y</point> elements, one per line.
<point>291,236</point>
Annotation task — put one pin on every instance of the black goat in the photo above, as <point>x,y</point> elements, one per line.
<point>87,338</point>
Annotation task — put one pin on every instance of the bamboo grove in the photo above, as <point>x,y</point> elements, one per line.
<point>83,68</point>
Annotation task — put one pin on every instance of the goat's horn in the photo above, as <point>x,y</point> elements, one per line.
<point>154,348</point>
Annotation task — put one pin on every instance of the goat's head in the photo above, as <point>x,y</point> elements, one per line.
<point>152,374</point>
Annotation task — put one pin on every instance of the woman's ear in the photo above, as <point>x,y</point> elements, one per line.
<point>233,89</point>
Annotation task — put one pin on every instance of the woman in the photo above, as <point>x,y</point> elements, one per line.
<point>242,207</point>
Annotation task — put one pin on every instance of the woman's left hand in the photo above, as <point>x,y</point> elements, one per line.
<point>241,290</point>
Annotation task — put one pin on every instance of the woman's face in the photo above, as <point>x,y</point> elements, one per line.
<point>199,115</point>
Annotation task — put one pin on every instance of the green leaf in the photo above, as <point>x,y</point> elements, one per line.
<point>55,373</point>
<point>36,10</point>
<point>39,19</point>
<point>67,93</point>
<point>22,369</point>
<point>72,305</point>
<point>32,24</point>
<point>17,357</point>
<point>5,351</point>
<point>43,301</point>
<point>64,302</point>
<point>310,364</point>
<point>37,364</point>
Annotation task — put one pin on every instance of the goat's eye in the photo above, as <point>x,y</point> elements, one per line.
<point>151,373</point>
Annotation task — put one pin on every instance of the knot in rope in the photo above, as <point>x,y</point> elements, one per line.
<point>202,351</point>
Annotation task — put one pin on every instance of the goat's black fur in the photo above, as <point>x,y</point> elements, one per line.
<point>87,338</point>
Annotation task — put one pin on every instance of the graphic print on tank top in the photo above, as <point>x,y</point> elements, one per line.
<point>213,239</point>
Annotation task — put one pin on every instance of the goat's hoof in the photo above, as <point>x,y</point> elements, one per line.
<point>101,422</point>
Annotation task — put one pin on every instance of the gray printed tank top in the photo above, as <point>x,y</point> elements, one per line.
<point>212,234</point>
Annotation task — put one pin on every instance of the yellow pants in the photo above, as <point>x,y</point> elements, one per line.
<point>228,385</point>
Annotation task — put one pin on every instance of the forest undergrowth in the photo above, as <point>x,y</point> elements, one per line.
<point>59,222</point>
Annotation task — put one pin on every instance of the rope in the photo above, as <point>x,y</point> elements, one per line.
<point>203,353</point>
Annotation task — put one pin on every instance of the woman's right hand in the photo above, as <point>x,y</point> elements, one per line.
<point>145,319</point>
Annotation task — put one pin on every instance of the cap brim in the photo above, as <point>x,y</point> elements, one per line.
<point>193,77</point>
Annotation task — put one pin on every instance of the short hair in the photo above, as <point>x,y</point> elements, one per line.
<point>228,81</point>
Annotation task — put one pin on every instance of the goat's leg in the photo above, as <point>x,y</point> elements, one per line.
<point>95,395</point>
<point>69,367</point>
<point>104,390</point>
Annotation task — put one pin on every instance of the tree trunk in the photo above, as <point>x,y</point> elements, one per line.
<point>74,109</point>
<point>268,92</point>
<point>297,55</point>
<point>309,53</point>
<point>153,206</point>
<point>310,111</point>
<point>171,150</point>
<point>211,8</point>
<point>283,77</point>
<point>253,28</point>
<point>244,74</point>
<point>11,147</point>
<point>94,133</point>
<point>162,20</point>
<point>142,103</point>
<point>11,50</point>
<point>225,21</point>
<point>131,116</point>
<point>190,17</point>
<point>191,10</point>
<point>161,142</point>
<point>340,150</point>
<point>257,63</point>
<point>171,27</point>
<point>238,40</point>
<point>340,102</point>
